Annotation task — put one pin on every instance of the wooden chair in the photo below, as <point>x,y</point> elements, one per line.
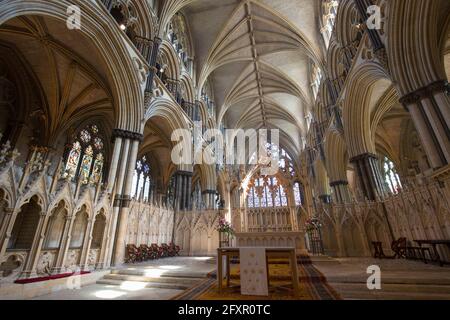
<point>399,247</point>
<point>378,250</point>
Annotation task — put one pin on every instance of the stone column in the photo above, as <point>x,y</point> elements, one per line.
<point>429,108</point>
<point>341,192</point>
<point>87,241</point>
<point>183,189</point>
<point>117,199</point>
<point>370,179</point>
<point>114,163</point>
<point>152,62</point>
<point>209,196</point>
<point>120,245</point>
<point>64,246</point>
<point>5,229</point>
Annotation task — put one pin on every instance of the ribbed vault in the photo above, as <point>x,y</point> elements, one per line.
<point>257,55</point>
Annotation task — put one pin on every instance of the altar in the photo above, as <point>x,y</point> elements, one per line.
<point>295,239</point>
<point>279,252</point>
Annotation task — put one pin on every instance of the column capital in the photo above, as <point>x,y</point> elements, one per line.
<point>338,183</point>
<point>363,157</point>
<point>184,173</point>
<point>424,92</point>
<point>126,201</point>
<point>125,134</point>
<point>10,211</point>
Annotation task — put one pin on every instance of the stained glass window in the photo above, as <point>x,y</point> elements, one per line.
<point>73,159</point>
<point>256,200</point>
<point>266,191</point>
<point>391,177</point>
<point>86,158</point>
<point>283,197</point>
<point>98,143</point>
<point>85,136</point>
<point>86,163</point>
<point>142,179</point>
<point>268,196</point>
<point>298,194</point>
<point>250,200</point>
<point>97,171</point>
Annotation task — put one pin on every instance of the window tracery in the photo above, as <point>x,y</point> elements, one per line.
<point>141,179</point>
<point>329,13</point>
<point>391,177</point>
<point>86,157</point>
<point>269,191</point>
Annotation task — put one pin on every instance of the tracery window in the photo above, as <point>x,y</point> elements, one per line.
<point>316,79</point>
<point>207,96</point>
<point>298,194</point>
<point>141,179</point>
<point>86,158</point>
<point>329,12</point>
<point>178,37</point>
<point>391,177</point>
<point>266,192</point>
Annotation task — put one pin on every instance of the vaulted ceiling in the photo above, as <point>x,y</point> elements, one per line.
<point>257,55</point>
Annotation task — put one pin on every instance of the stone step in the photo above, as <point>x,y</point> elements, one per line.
<point>164,274</point>
<point>142,285</point>
<point>392,288</point>
<point>392,280</point>
<point>177,280</point>
<point>377,295</point>
<point>324,260</point>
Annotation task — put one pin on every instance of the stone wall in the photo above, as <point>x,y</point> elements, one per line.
<point>420,211</point>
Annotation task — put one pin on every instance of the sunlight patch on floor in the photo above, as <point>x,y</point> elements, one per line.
<point>109,294</point>
<point>133,285</point>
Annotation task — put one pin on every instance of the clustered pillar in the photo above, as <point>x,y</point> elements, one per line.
<point>126,145</point>
<point>369,176</point>
<point>341,192</point>
<point>183,187</point>
<point>430,111</point>
<point>209,198</point>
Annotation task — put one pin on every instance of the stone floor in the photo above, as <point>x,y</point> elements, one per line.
<point>166,278</point>
<point>154,280</point>
<point>400,279</point>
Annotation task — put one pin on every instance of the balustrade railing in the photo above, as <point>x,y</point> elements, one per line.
<point>192,110</point>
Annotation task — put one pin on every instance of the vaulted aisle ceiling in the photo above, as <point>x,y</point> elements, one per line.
<point>258,55</point>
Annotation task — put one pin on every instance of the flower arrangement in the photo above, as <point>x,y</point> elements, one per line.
<point>312,224</point>
<point>225,227</point>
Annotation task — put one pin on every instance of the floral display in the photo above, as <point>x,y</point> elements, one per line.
<point>225,227</point>
<point>313,224</point>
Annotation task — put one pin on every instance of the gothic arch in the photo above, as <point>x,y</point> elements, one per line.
<point>126,85</point>
<point>336,155</point>
<point>413,43</point>
<point>368,81</point>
